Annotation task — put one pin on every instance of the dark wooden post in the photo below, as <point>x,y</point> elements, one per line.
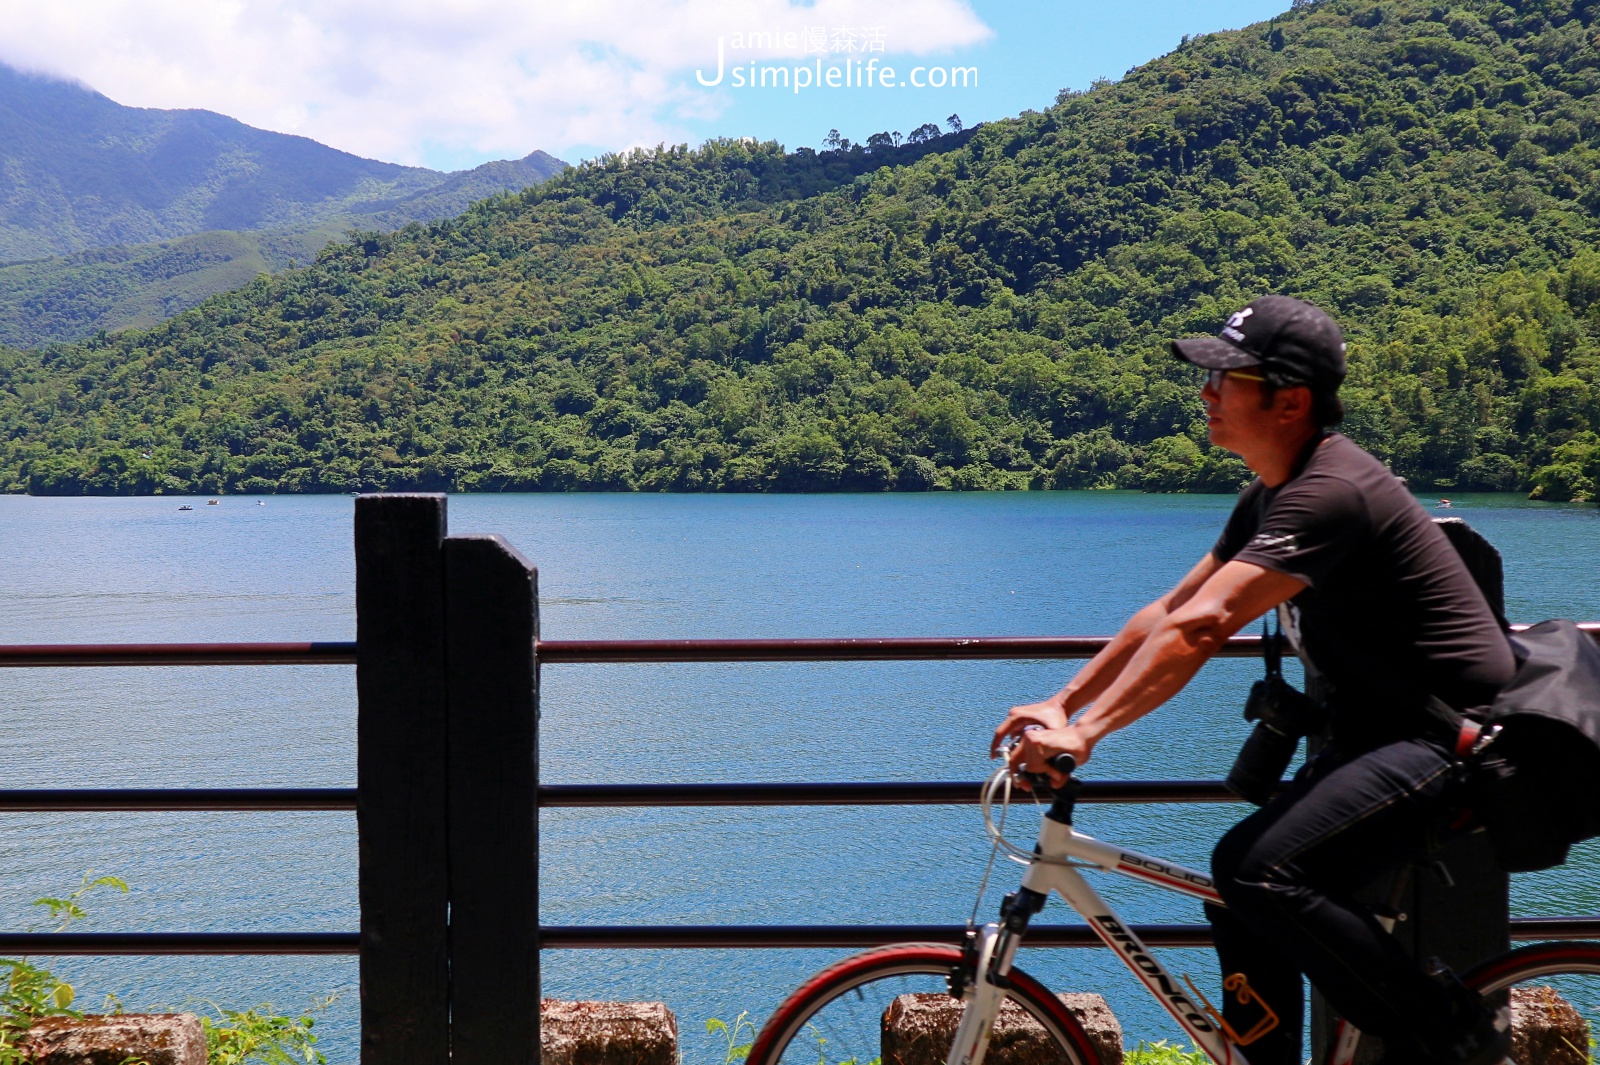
<point>401,779</point>
<point>492,620</point>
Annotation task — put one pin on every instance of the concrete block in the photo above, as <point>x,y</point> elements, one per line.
<point>917,1030</point>
<point>607,1033</point>
<point>1101,1024</point>
<point>151,1038</point>
<point>1546,1029</point>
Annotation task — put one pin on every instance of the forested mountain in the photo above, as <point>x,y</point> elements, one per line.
<point>982,314</point>
<point>71,297</point>
<point>101,205</point>
<point>79,171</point>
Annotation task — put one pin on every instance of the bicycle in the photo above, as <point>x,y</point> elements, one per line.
<point>837,1015</point>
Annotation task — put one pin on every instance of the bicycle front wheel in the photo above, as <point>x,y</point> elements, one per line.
<point>1555,999</point>
<point>839,1016</point>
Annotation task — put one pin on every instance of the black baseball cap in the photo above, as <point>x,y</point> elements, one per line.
<point>1289,340</point>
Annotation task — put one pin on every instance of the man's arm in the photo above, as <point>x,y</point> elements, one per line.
<point>1166,660</point>
<point>1105,667</point>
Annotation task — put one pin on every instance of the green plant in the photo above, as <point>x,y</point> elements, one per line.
<point>30,992</point>
<point>1162,1052</point>
<point>232,1036</point>
<point>822,1051</point>
<point>27,994</point>
<point>66,910</point>
<point>262,1034</point>
<point>736,1051</point>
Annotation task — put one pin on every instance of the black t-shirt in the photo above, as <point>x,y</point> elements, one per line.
<point>1390,614</point>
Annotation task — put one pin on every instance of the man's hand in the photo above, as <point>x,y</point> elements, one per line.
<point>1047,714</point>
<point>1038,745</point>
<point>1172,644</point>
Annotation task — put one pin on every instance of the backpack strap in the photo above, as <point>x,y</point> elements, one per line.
<point>1451,727</point>
<point>1272,646</point>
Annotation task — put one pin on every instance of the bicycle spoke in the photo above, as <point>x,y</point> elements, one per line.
<point>849,1028</point>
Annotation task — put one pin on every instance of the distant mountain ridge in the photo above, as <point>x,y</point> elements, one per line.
<point>113,217</point>
<point>80,171</point>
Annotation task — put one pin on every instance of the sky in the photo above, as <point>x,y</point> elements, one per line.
<point>449,84</point>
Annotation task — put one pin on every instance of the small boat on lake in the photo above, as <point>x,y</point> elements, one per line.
<point>186,507</point>
<point>213,502</point>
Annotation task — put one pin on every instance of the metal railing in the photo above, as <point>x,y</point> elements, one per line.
<point>439,620</point>
<point>574,796</point>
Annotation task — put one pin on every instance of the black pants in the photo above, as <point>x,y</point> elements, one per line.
<point>1288,874</point>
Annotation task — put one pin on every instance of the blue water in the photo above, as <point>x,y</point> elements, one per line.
<point>629,566</point>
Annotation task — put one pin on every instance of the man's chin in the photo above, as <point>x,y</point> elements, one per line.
<point>1218,435</point>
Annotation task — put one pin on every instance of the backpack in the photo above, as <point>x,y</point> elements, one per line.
<point>1534,779</point>
<point>1535,782</point>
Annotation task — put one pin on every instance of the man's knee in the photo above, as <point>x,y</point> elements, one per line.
<point>1235,855</point>
<point>1246,877</point>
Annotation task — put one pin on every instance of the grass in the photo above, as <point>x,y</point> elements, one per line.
<point>233,1037</point>
<point>1162,1052</point>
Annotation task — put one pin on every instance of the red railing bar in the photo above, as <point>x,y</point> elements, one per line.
<point>555,652</point>
<point>844,936</point>
<point>867,649</point>
<point>864,649</point>
<point>61,944</point>
<point>581,651</point>
<point>603,937</point>
<point>1537,928</point>
<point>582,796</point>
<point>42,800</point>
<point>328,653</point>
<point>612,937</point>
<point>874,793</point>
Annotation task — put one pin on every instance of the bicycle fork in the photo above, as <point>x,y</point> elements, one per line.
<point>990,952</point>
<point>984,994</point>
<point>983,997</point>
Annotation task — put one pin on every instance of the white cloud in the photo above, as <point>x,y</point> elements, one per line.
<point>405,79</point>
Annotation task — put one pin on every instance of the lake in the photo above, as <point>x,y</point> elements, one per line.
<point>614,566</point>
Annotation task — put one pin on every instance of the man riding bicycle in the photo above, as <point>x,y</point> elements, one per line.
<point>1382,607</point>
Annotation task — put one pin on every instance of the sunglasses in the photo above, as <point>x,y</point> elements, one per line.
<point>1214,377</point>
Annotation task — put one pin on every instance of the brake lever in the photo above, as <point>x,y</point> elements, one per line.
<point>1038,783</point>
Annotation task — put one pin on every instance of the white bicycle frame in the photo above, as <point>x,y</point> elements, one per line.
<point>1062,852</point>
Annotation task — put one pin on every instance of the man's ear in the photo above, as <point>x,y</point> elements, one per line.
<point>1293,403</point>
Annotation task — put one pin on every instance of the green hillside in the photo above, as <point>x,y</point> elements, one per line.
<point>989,313</point>
<point>138,286</point>
<point>70,297</point>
